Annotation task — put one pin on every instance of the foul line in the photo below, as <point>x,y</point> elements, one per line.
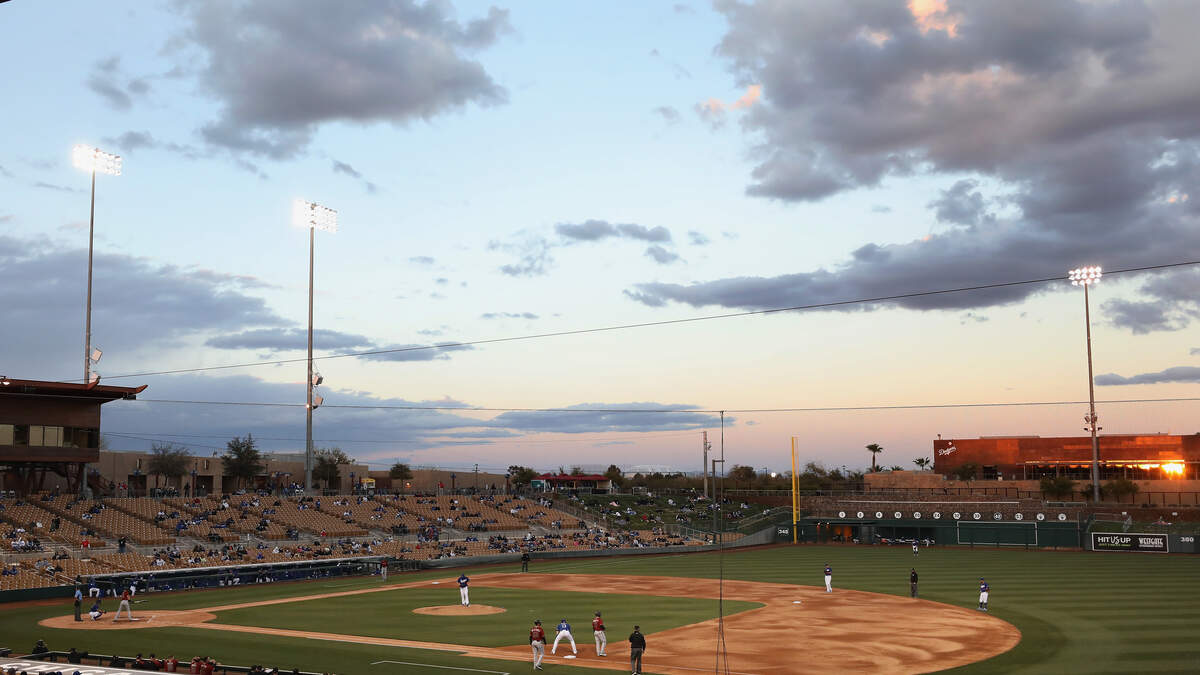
<point>430,665</point>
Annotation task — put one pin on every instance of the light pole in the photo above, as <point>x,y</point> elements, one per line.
<point>314,217</point>
<point>1086,276</point>
<point>94,160</point>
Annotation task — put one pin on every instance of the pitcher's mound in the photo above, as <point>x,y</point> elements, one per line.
<point>459,610</point>
<point>147,619</point>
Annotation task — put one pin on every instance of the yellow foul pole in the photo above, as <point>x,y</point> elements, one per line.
<point>795,502</point>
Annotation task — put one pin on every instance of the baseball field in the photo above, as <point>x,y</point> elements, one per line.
<point>1050,612</point>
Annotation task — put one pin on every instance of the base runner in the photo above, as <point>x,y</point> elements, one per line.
<point>537,642</point>
<point>601,636</point>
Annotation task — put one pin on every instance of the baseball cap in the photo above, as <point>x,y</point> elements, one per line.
<point>538,621</point>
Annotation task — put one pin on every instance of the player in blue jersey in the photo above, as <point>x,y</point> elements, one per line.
<point>983,594</point>
<point>463,580</point>
<point>564,631</point>
<point>828,578</point>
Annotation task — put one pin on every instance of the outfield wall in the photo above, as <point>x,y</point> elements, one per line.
<point>1027,534</point>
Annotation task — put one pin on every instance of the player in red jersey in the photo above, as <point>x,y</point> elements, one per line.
<point>601,636</point>
<point>537,641</point>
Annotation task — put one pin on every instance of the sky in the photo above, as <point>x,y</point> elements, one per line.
<point>546,169</point>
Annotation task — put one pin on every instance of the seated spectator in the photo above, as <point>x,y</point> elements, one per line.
<point>40,648</point>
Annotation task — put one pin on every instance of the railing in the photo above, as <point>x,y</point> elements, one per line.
<point>127,662</point>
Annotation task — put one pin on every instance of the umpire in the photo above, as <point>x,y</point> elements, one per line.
<point>637,647</point>
<point>912,582</point>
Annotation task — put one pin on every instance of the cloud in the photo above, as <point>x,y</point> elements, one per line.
<point>421,260</point>
<point>7,218</point>
<point>713,111</point>
<point>677,70</point>
<point>105,81</point>
<point>661,255</point>
<point>344,168</point>
<point>411,352</point>
<point>51,186</point>
<point>594,230</point>
<point>136,304</point>
<point>591,418</point>
<point>961,204</point>
<point>1176,374</point>
<point>669,114</point>
<point>533,256</point>
<point>283,339</point>
<point>279,70</point>
<point>1085,137</point>
<point>1171,304</point>
<point>698,238</point>
<point>131,141</point>
<point>509,315</point>
<point>881,208</point>
<point>1195,351</point>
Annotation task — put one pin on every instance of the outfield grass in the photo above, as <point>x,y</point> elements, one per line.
<point>1078,612</point>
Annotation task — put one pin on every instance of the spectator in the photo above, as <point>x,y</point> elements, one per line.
<point>40,648</point>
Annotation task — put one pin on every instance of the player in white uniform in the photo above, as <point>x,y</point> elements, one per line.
<point>914,547</point>
<point>828,578</point>
<point>463,580</point>
<point>983,594</point>
<point>564,631</point>
<point>601,636</point>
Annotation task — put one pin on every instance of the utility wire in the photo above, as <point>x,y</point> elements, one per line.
<point>647,324</point>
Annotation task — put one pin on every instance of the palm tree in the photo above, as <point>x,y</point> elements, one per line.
<point>922,463</point>
<point>874,449</point>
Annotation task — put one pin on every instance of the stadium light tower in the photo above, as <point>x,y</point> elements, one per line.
<point>94,160</point>
<point>314,217</point>
<point>1086,276</point>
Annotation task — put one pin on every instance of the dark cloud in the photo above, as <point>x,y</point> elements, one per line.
<point>669,114</point>
<point>278,70</point>
<point>961,204</point>
<point>698,238</point>
<point>509,315</point>
<point>661,255</point>
<point>589,419</point>
<point>284,339</point>
<point>1176,374</point>
<point>136,304</point>
<point>1090,141</point>
<point>1171,303</point>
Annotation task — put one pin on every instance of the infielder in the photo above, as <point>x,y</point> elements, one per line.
<point>983,594</point>
<point>564,631</point>
<point>601,636</point>
<point>463,580</point>
<point>123,606</point>
<point>537,642</point>
<point>828,578</point>
<point>914,547</point>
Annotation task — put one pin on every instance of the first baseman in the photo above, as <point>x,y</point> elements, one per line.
<point>983,594</point>
<point>601,636</point>
<point>564,631</point>
<point>537,642</point>
<point>828,578</point>
<point>463,580</point>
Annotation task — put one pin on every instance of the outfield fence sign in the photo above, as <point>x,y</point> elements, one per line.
<point>1130,542</point>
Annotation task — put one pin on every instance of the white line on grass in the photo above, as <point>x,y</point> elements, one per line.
<point>430,665</point>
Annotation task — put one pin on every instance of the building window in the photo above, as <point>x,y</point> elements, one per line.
<point>6,434</point>
<point>44,436</point>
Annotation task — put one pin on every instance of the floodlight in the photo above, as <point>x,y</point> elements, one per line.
<point>317,401</point>
<point>96,354</point>
<point>317,379</point>
<point>310,214</point>
<point>4,381</point>
<point>94,378</point>
<point>94,159</point>
<point>1084,276</point>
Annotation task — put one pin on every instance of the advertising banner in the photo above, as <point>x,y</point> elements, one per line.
<point>1129,542</point>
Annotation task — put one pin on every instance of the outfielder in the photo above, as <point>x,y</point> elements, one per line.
<point>983,594</point>
<point>601,636</point>
<point>123,606</point>
<point>564,631</point>
<point>383,570</point>
<point>537,642</point>
<point>828,578</point>
<point>914,547</point>
<point>463,580</point>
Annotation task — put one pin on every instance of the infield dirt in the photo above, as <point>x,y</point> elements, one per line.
<point>799,629</point>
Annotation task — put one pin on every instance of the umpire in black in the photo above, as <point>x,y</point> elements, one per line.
<point>912,582</point>
<point>637,647</point>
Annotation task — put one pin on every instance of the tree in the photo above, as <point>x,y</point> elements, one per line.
<point>1117,488</point>
<point>922,463</point>
<point>1059,487</point>
<point>400,472</point>
<point>577,471</point>
<point>897,467</point>
<point>521,475</point>
<point>614,474</point>
<point>966,471</point>
<point>169,460</point>
<point>325,466</point>
<point>242,460</point>
<point>874,449</point>
<point>741,474</point>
